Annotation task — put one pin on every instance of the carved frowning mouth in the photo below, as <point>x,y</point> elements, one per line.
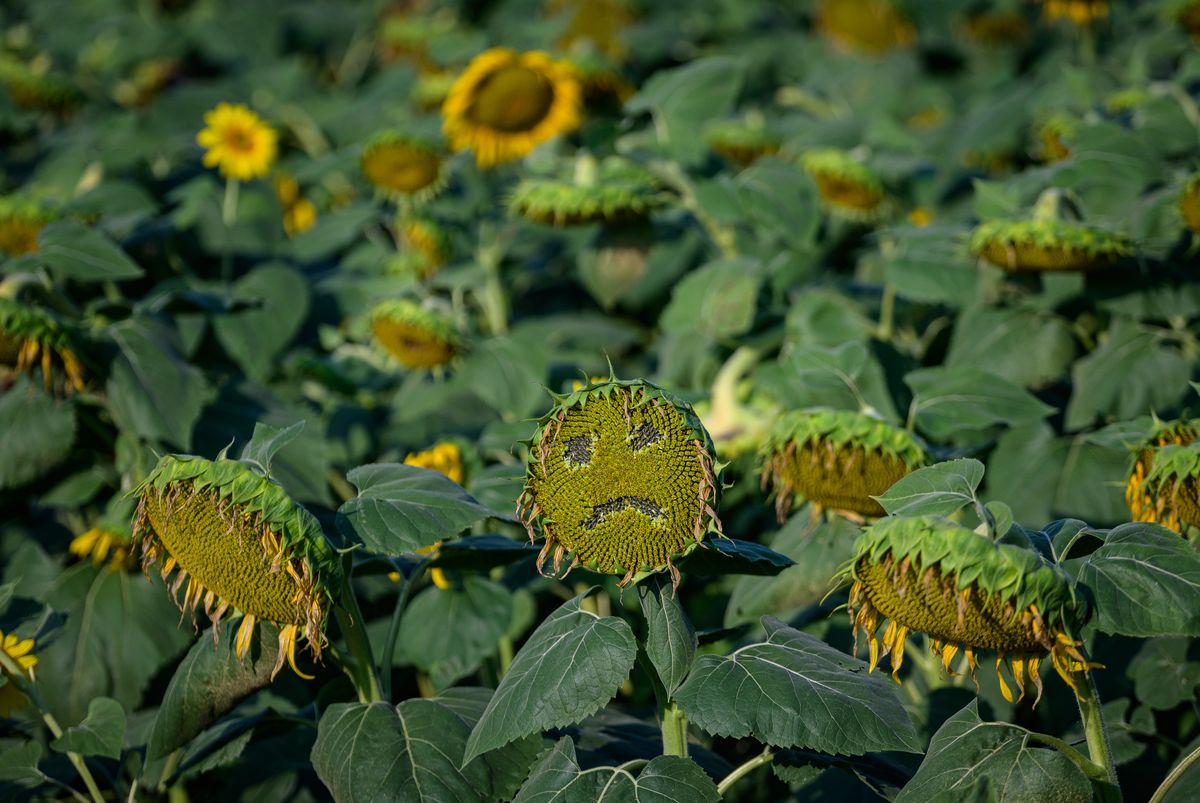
<point>602,511</point>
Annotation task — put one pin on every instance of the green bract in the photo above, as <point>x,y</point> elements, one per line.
<point>621,478</point>
<point>1174,477</point>
<point>612,190</point>
<point>847,187</point>
<point>740,141</point>
<point>1037,245</point>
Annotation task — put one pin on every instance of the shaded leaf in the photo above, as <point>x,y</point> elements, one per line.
<point>938,490</point>
<point>83,253</point>
<point>949,402</point>
<point>719,556</point>
<point>38,433</point>
<point>670,639</point>
<point>277,304</point>
<point>448,632</point>
<point>102,732</point>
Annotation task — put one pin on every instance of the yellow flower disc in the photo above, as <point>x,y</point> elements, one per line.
<point>401,166</point>
<point>416,337</point>
<point>620,478</point>
<point>506,103</point>
<point>237,142</point>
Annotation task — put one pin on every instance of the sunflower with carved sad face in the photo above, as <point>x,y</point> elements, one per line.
<point>507,103</point>
<point>621,479</point>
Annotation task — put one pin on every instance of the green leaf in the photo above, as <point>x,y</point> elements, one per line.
<point>569,668</point>
<point>80,252</point>
<point>1131,374</point>
<point>844,376</point>
<point>209,683</point>
<point>967,751</point>
<point>816,552</point>
<point>795,691</point>
<point>508,373</point>
<point>683,98</point>
<point>1139,578</point>
<point>403,508</point>
<point>717,300</point>
<point>718,556</point>
<point>1185,786</point>
<point>153,392</point>
<point>449,632</point>
<point>1162,674</point>
<point>1024,470</point>
<point>670,638</point>
<point>950,402</point>
<point>557,776</point>
<point>102,732</point>
<point>938,490</point>
<point>410,752</point>
<point>482,552</point>
<point>19,768</point>
<point>275,299</point>
<point>1028,347</point>
<point>781,198</point>
<point>332,232</point>
<point>39,431</point>
<point>267,440</point>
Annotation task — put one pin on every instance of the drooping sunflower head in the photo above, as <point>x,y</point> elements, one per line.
<point>837,459</point>
<point>996,28</point>
<point>1080,13</point>
<point>1187,15</point>
<point>403,167</point>
<point>299,213</point>
<point>595,24</point>
<point>417,337</point>
<point>614,190</point>
<point>1147,501</point>
<point>33,340</point>
<point>1053,138</point>
<point>427,247</point>
<point>1047,245</point>
<point>33,86</point>
<point>867,26</point>
<point>444,458</point>
<point>236,540</point>
<point>742,142</point>
<point>1189,203</point>
<point>18,651</point>
<point>506,103</point>
<point>20,222</point>
<point>1171,489</point>
<point>622,479</point>
<point>237,142</point>
<point>848,188</point>
<point>966,592</point>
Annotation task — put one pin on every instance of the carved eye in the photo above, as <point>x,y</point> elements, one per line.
<point>577,451</point>
<point>643,436</point>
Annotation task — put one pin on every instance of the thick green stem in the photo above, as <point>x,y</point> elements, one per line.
<point>674,731</point>
<point>228,218</point>
<point>389,645</point>
<point>1099,749</point>
<point>1174,776</point>
<point>763,758</point>
<point>887,313</point>
<point>361,664</point>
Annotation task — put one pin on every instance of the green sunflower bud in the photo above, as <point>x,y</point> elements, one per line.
<point>837,459</point>
<point>622,479</point>
<point>237,540</point>
<point>966,592</point>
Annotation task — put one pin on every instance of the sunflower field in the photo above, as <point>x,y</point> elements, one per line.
<point>600,401</point>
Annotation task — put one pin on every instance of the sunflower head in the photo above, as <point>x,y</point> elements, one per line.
<point>742,142</point>
<point>1187,14</point>
<point>299,213</point>
<point>966,592</point>
<point>427,248</point>
<point>235,539</point>
<point>866,26</point>
<point>622,479</point>
<point>1080,13</point>
<point>1047,245</point>
<point>1146,500</point>
<point>1053,138</point>
<point>237,142</point>
<point>506,103</point>
<point>996,28</point>
<point>32,86</point>
<point>593,24</point>
<point>33,340</point>
<point>1189,203</point>
<point>21,220</point>
<point>1171,488</point>
<point>614,190</point>
<point>403,167</point>
<point>848,188</point>
<point>18,651</point>
<point>444,458</point>
<point>600,78</point>
<point>417,337</point>
<point>837,459</point>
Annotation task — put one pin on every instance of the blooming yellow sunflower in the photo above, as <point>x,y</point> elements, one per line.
<point>506,103</point>
<point>402,166</point>
<point>105,542</point>
<point>444,458</point>
<point>236,540</point>
<point>237,142</point>
<point>20,652</point>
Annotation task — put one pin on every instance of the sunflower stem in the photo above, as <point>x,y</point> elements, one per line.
<point>493,298</point>
<point>389,644</point>
<point>1174,775</point>
<point>1099,749</point>
<point>744,769</point>
<point>674,731</point>
<point>361,666</point>
<point>887,313</point>
<point>228,218</point>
